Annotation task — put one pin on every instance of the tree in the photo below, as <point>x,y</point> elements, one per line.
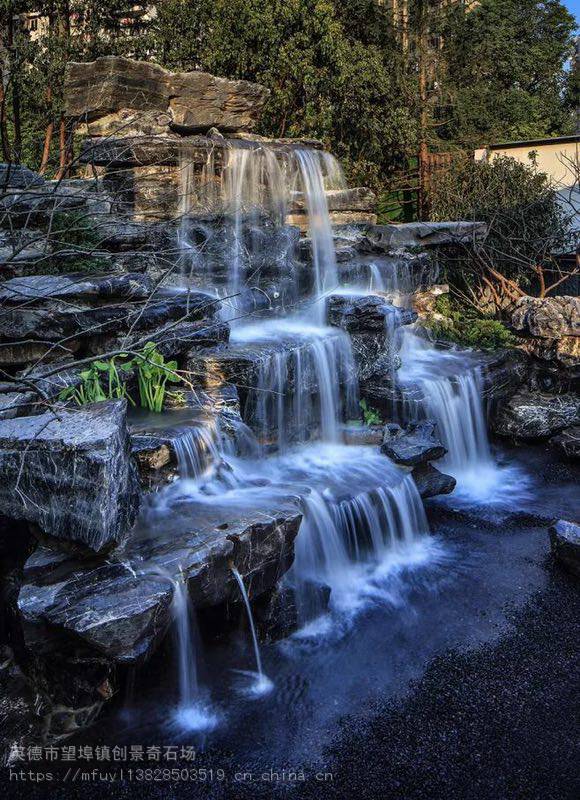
<point>528,224</point>
<point>504,75</point>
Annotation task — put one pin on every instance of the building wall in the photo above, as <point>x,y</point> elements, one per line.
<point>550,157</point>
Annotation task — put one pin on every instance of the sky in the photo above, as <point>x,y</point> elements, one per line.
<point>574,7</point>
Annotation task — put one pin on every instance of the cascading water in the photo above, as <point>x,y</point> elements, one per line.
<point>263,684</point>
<point>304,386</point>
<point>192,713</point>
<point>357,506</point>
<point>197,449</point>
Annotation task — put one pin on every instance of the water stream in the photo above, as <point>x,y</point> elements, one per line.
<point>262,684</point>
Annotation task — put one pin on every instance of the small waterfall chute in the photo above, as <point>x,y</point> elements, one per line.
<point>261,684</point>
<point>192,712</point>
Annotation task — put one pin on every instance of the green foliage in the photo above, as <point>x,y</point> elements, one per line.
<point>102,379</point>
<point>526,222</point>
<point>504,76</point>
<point>466,329</point>
<point>153,374</point>
<point>370,415</point>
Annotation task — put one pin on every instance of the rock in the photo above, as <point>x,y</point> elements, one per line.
<point>17,404</point>
<point>383,238</point>
<point>431,482</point>
<point>111,83</point>
<point>200,101</point>
<point>565,545</point>
<point>53,320</point>
<point>177,339</point>
<point>548,317</point>
<point>568,442</point>
<point>535,415</point>
<point>77,285</point>
<point>504,373</point>
<point>417,444</point>
<point>70,473</point>
<point>359,198</point>
<point>372,324</point>
<point>187,101</point>
<point>17,176</point>
<point>121,609</point>
<point>550,327</point>
<point>108,607</point>
<point>424,300</point>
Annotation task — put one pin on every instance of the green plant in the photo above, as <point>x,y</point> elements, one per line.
<point>153,374</point>
<point>91,389</point>
<point>370,415</point>
<point>485,334</point>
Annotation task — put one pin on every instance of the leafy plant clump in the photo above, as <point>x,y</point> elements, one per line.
<point>469,330</point>
<point>103,379</point>
<point>153,375</point>
<point>370,415</point>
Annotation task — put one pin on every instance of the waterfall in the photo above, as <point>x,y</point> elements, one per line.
<point>197,449</point>
<point>299,388</point>
<point>192,713</point>
<point>263,683</point>
<point>362,529</point>
<point>450,392</point>
<point>319,226</point>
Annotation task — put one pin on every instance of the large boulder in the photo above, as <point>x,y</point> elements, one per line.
<point>372,324</point>
<point>431,482</point>
<point>417,444</point>
<point>42,318</point>
<point>70,473</point>
<point>186,101</point>
<point>200,101</point>
<point>121,609</point>
<point>550,328</point>
<point>565,545</point>
<point>548,317</point>
<point>535,415</point>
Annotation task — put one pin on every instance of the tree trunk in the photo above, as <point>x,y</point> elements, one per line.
<point>47,136</point>
<point>62,149</point>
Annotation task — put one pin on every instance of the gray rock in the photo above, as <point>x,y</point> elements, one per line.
<point>383,238</point>
<point>548,317</point>
<point>415,445</point>
<point>111,83</point>
<point>568,442</point>
<point>54,320</point>
<point>70,473</point>
<point>41,288</point>
<point>565,545</point>
<point>122,609</point>
<point>432,482</point>
<point>535,415</point>
<point>107,607</point>
<point>191,101</point>
<point>17,176</point>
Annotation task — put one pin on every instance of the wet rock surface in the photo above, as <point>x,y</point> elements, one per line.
<point>414,445</point>
<point>122,607</point>
<point>535,415</point>
<point>70,473</point>
<point>432,482</point>
<point>565,545</point>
